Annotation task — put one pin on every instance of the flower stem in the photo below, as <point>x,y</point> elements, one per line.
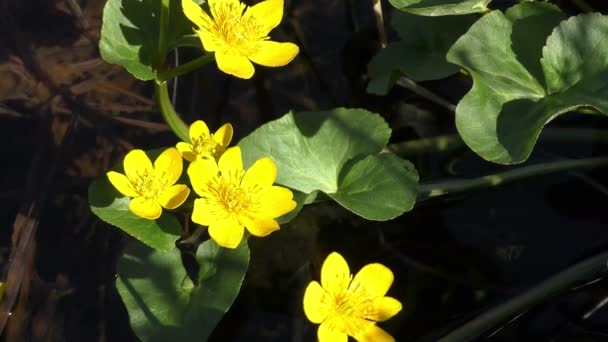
<point>166,75</point>
<point>454,186</point>
<point>174,122</point>
<point>558,283</point>
<point>163,32</point>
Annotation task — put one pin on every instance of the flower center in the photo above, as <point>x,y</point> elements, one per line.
<point>148,185</point>
<point>230,195</point>
<point>236,29</point>
<point>349,311</point>
<point>206,146</point>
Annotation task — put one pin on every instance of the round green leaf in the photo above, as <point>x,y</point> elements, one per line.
<point>322,151</point>
<point>165,305</point>
<point>515,91</point>
<point>129,33</point>
<point>113,208</point>
<point>441,7</point>
<point>420,54</point>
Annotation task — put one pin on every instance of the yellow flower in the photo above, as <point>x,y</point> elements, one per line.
<point>347,306</point>
<point>151,187</point>
<point>232,199</point>
<point>238,34</point>
<point>203,144</point>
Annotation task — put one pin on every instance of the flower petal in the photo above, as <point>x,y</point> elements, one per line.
<point>122,184</point>
<point>263,172</point>
<point>227,233</point>
<point>260,226</point>
<point>231,160</point>
<point>273,54</point>
<point>186,151</point>
<point>136,163</point>
<point>174,196</point>
<point>315,303</point>
<point>375,278</point>
<point>276,201</point>
<point>199,130</point>
<point>200,172</point>
<point>234,64</point>
<point>145,207</point>
<point>335,275</point>
<point>210,39</point>
<point>374,334</point>
<point>383,308</point>
<point>195,13</point>
<point>169,166</point>
<point>202,212</point>
<point>269,13</point>
<point>223,135</point>
<point>326,334</point>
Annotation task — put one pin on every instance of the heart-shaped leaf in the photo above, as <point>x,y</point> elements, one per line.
<point>519,85</point>
<point>165,305</point>
<point>441,7</point>
<point>420,54</point>
<point>326,151</point>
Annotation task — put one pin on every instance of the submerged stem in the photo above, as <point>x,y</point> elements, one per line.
<point>517,305</point>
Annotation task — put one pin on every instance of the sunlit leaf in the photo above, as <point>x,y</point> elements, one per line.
<point>441,7</point>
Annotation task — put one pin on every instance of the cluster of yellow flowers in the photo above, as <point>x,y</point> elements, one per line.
<point>231,199</point>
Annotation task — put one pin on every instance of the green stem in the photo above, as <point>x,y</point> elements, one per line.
<point>163,33</point>
<point>463,185</point>
<point>444,143</point>
<point>562,281</point>
<point>583,5</point>
<point>174,122</point>
<point>166,75</point>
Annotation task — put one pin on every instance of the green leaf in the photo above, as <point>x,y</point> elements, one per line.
<point>420,54</point>
<point>129,33</point>
<point>441,7</point>
<point>377,187</point>
<point>113,207</point>
<point>321,151</point>
<point>165,305</point>
<point>516,91</point>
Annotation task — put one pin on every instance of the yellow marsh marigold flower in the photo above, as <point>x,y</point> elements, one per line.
<point>347,306</point>
<point>239,34</point>
<point>151,187</point>
<point>203,144</point>
<point>232,199</point>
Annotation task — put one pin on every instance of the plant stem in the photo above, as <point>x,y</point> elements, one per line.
<point>583,5</point>
<point>174,122</point>
<point>463,185</point>
<point>166,75</point>
<point>450,142</point>
<point>550,287</point>
<point>161,50</point>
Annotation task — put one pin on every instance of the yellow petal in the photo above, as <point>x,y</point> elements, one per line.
<point>260,226</point>
<point>199,130</point>
<point>225,7</point>
<point>273,54</point>
<point>263,172</point>
<point>315,303</point>
<point>122,184</point>
<point>137,163</point>
<point>174,196</point>
<point>375,278</point>
<point>335,275</point>
<point>269,13</point>
<point>223,135</point>
<point>227,233</point>
<point>374,334</point>
<point>202,213</point>
<point>327,334</point>
<point>195,13</point>
<point>210,38</point>
<point>186,151</point>
<point>234,64</point>
<point>231,160</point>
<point>200,172</point>
<point>145,207</point>
<point>168,166</point>
<point>276,201</point>
<point>383,308</point>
